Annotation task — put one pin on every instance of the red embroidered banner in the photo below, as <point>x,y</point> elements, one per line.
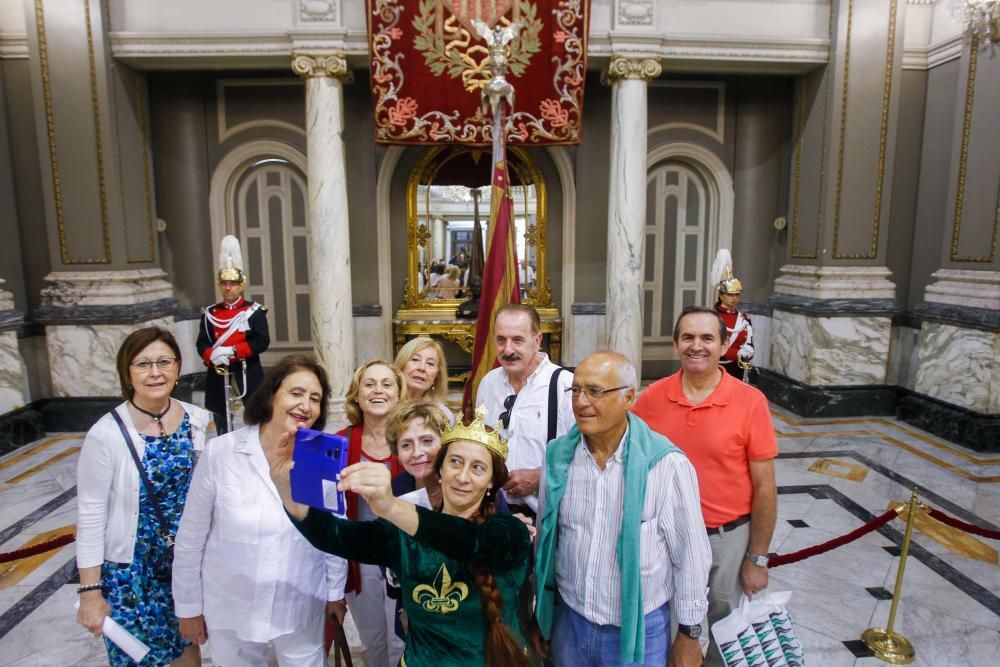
<point>429,65</point>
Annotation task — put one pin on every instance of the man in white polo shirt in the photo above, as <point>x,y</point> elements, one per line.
<point>526,400</point>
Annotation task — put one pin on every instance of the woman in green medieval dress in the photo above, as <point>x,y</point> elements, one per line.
<point>442,559</point>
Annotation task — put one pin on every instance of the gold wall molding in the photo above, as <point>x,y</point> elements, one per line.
<point>623,67</point>
<point>98,138</point>
<point>50,125</point>
<point>309,65</point>
<point>956,228</point>
<point>883,134</point>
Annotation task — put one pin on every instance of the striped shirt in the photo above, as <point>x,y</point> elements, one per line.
<point>674,548</point>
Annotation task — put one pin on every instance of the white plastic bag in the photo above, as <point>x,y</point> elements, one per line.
<point>759,632</point>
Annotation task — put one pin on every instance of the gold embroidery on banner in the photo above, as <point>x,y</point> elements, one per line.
<point>444,596</point>
<point>445,42</point>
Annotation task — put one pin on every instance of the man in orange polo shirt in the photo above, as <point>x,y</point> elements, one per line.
<point>724,427</point>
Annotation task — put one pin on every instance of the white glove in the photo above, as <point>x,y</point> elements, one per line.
<point>746,352</point>
<point>221,355</point>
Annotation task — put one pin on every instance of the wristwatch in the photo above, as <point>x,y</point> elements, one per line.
<point>692,631</point>
<point>760,560</point>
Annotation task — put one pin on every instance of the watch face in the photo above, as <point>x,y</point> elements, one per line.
<point>692,631</point>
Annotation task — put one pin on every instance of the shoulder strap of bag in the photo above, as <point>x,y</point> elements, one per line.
<point>164,531</point>
<point>554,402</point>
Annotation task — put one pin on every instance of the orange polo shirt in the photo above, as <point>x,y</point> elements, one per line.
<point>720,436</point>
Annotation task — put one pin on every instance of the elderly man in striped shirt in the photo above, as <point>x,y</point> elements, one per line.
<point>621,534</point>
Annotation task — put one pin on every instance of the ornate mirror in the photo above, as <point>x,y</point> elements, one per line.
<point>448,200</point>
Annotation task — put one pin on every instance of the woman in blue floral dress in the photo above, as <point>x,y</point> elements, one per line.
<point>122,546</point>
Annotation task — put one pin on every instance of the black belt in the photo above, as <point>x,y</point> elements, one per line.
<point>727,527</point>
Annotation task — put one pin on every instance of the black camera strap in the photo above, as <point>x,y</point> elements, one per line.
<point>164,526</point>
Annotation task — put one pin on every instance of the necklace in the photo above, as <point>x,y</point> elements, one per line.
<point>156,417</point>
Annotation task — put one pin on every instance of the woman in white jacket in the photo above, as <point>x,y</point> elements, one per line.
<point>243,575</point>
<point>121,543</point>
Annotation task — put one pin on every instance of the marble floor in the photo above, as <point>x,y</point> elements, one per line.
<point>833,476</point>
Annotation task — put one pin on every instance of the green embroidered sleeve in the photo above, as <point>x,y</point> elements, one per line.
<point>501,541</point>
<point>375,542</point>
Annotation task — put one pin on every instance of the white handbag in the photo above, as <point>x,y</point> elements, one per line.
<point>759,632</point>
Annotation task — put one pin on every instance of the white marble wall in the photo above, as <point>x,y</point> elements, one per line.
<point>82,357</point>
<point>830,350</point>
<point>12,376</point>
<point>960,366</point>
<point>105,288</point>
<point>589,336</point>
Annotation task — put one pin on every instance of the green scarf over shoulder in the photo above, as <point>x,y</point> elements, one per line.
<point>643,448</point>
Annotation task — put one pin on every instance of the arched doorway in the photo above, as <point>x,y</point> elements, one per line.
<point>259,194</point>
<point>689,204</point>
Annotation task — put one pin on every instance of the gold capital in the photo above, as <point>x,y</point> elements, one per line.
<point>624,67</point>
<point>308,65</point>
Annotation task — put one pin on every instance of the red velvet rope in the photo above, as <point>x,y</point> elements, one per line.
<point>961,525</point>
<point>37,549</point>
<point>802,554</point>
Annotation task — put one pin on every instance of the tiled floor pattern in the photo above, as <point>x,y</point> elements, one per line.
<point>833,475</point>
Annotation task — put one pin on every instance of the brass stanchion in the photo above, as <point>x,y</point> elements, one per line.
<point>887,645</point>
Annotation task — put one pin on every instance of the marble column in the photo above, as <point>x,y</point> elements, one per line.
<point>627,203</point>
<point>329,236</point>
<point>439,233</point>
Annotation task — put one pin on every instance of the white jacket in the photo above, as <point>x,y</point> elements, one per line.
<point>238,560</point>
<point>107,487</point>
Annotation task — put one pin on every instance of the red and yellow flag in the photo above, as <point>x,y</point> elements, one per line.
<point>500,281</point>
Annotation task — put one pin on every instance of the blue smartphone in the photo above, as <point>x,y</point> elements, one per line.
<point>319,458</point>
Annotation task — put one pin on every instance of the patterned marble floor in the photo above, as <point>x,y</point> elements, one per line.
<point>833,475</point>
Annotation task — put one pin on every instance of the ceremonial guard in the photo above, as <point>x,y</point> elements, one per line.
<point>232,336</point>
<point>738,357</point>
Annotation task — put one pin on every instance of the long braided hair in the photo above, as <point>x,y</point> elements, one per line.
<point>501,649</point>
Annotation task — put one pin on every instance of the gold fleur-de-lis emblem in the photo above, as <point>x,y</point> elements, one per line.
<point>443,597</point>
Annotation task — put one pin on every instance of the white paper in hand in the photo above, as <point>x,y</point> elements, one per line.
<point>122,638</point>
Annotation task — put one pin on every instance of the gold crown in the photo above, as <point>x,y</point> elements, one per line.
<point>476,432</point>
<point>729,283</point>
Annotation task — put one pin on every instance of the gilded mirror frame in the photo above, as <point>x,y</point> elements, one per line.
<point>523,170</point>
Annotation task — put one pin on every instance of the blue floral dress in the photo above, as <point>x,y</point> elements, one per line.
<point>140,599</point>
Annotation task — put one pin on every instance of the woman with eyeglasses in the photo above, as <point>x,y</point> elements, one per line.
<point>134,472</point>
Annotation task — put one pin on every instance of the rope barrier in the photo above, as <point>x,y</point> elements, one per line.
<point>962,525</point>
<point>808,552</point>
<point>36,549</point>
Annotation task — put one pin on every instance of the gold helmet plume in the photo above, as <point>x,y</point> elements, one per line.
<point>722,274</point>
<point>230,260</point>
<point>476,432</point>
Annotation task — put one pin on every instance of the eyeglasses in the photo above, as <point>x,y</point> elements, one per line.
<point>145,365</point>
<point>593,393</point>
<point>508,404</point>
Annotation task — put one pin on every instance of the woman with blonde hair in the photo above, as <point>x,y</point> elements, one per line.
<point>448,287</point>
<point>376,388</point>
<point>425,371</point>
